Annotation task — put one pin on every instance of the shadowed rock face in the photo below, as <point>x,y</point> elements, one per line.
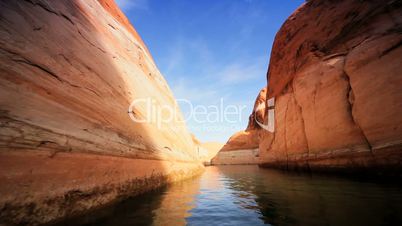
<point>68,73</point>
<point>335,74</point>
<point>258,113</point>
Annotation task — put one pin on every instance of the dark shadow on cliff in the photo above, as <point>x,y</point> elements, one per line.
<point>132,211</point>
<point>167,205</point>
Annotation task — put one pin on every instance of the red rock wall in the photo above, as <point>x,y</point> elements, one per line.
<point>68,73</point>
<point>335,74</point>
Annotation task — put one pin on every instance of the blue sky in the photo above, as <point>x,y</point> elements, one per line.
<point>210,50</point>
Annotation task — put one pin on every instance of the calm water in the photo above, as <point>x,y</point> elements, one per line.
<point>247,195</point>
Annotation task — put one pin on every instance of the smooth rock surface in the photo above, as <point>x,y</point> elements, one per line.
<point>242,147</point>
<point>335,74</point>
<point>69,71</point>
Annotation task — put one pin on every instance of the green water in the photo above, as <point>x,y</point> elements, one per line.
<point>248,195</point>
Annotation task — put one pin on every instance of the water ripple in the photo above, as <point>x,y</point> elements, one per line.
<point>247,195</point>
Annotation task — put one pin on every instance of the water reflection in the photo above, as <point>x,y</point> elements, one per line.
<point>220,203</point>
<point>177,201</point>
<point>247,195</point>
<point>294,199</point>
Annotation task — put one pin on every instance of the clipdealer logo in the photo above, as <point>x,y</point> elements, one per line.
<point>149,110</point>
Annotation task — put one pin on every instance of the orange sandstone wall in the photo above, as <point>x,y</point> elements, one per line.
<point>335,71</point>
<point>335,76</point>
<point>37,188</point>
<point>237,157</point>
<point>68,73</point>
<point>242,147</point>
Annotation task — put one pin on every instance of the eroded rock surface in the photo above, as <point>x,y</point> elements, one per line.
<point>69,71</point>
<point>335,74</point>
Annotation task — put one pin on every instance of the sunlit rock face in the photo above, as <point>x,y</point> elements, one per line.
<point>242,147</point>
<point>206,151</point>
<point>69,71</point>
<point>335,75</point>
<point>242,140</point>
<point>237,157</point>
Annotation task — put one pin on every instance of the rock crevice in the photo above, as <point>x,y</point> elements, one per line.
<point>350,100</point>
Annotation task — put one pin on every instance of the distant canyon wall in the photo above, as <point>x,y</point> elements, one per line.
<point>335,74</point>
<point>242,147</point>
<point>69,71</point>
<point>237,157</point>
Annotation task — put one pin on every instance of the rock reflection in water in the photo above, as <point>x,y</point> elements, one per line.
<point>248,195</point>
<point>300,199</point>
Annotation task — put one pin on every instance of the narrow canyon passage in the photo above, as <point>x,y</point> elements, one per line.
<point>248,195</point>
<point>94,130</point>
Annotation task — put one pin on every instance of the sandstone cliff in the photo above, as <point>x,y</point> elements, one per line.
<point>213,149</point>
<point>69,71</point>
<point>206,151</point>
<point>335,74</point>
<point>242,147</point>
